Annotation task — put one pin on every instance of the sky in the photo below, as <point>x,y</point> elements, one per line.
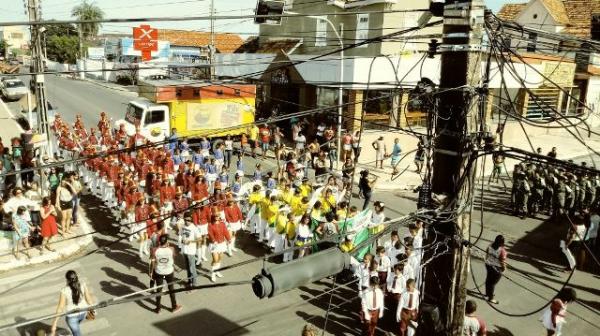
<point>13,10</point>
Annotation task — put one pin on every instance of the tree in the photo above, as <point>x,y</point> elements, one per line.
<point>62,42</point>
<point>88,11</point>
<point>62,49</point>
<point>4,48</point>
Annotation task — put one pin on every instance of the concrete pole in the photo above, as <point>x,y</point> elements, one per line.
<point>340,99</point>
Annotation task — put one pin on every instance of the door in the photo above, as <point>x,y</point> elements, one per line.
<point>156,122</point>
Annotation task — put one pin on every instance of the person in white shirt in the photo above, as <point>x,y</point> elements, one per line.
<point>389,245</point>
<point>412,260</point>
<point>35,195</point>
<point>73,296</point>
<point>363,272</point>
<point>407,311</point>
<point>18,200</point>
<point>162,268</point>
<point>384,265</point>
<point>396,282</point>
<point>372,307</point>
<point>189,235</point>
<point>473,325</point>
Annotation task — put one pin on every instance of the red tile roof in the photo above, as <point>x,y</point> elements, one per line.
<point>225,43</point>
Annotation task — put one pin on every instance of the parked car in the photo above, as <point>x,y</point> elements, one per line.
<point>13,89</point>
<point>23,119</point>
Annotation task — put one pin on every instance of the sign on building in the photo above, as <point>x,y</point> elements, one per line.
<point>145,39</point>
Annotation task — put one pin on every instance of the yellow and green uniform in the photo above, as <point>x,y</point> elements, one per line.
<point>305,190</point>
<point>272,211</point>
<point>327,203</point>
<point>253,133</point>
<point>316,214</point>
<point>290,230</point>
<point>281,223</point>
<point>287,196</point>
<point>346,246</point>
<point>264,208</point>
<point>342,214</point>
<point>255,198</point>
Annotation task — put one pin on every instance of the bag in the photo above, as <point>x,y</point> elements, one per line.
<point>35,238</point>
<point>90,315</point>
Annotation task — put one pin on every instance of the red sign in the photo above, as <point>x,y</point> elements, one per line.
<point>145,39</point>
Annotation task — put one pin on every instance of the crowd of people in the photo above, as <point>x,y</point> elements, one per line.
<point>194,199</point>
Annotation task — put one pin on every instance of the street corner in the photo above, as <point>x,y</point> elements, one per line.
<point>63,248</point>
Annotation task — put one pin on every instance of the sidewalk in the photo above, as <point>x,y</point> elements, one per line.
<point>72,245</point>
<point>10,129</point>
<point>567,147</point>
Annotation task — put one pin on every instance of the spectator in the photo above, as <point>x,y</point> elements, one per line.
<point>396,156</point>
<point>300,142</point>
<point>49,227</point>
<point>228,151</point>
<point>380,151</point>
<point>365,187</point>
<point>553,317</point>
<point>74,296</point>
<point>64,204</point>
<point>420,156</point>
<point>473,325</point>
<point>495,264</point>
<point>552,153</point>
<point>356,146</point>
<point>17,201</point>
<point>265,139</point>
<point>34,194</point>
<point>21,230</point>
<point>162,269</point>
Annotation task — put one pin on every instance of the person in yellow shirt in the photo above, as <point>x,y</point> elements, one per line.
<point>255,199</point>
<point>347,245</point>
<point>290,236</point>
<point>287,194</point>
<point>342,211</point>
<point>300,207</point>
<point>272,211</point>
<point>316,213</point>
<point>253,138</point>
<point>327,201</point>
<point>305,188</point>
<point>280,226</point>
<point>264,215</point>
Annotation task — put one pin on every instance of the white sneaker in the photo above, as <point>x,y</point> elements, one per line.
<point>212,277</point>
<point>218,274</point>
<point>234,249</point>
<point>204,258</point>
<point>198,262</point>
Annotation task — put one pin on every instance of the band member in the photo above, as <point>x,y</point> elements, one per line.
<point>233,217</point>
<point>407,311</point>
<point>372,307</point>
<point>219,238</point>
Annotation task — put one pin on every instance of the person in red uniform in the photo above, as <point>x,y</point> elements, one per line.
<point>142,216</point>
<point>137,139</point>
<point>200,189</point>
<point>219,237</point>
<point>104,123</point>
<point>200,216</point>
<point>233,217</point>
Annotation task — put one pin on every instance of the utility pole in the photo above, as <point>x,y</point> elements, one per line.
<point>211,48</point>
<point>446,276</point>
<point>38,68</point>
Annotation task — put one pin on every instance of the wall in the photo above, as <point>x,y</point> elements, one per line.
<point>543,21</point>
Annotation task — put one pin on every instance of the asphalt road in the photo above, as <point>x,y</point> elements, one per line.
<point>71,97</point>
<point>533,278</point>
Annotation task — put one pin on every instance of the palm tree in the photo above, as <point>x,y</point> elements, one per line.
<point>88,11</point>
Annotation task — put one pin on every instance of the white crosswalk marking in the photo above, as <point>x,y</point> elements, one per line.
<point>34,294</point>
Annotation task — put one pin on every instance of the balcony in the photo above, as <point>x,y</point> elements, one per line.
<point>345,4</point>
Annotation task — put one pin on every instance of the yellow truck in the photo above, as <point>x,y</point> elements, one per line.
<point>193,109</point>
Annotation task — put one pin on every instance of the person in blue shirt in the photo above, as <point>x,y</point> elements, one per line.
<point>205,147</point>
<point>224,178</point>
<point>198,158</point>
<point>173,139</point>
<point>240,167</point>
<point>237,184</point>
<point>271,183</point>
<point>177,159</point>
<point>396,156</point>
<point>219,156</point>
<point>257,173</point>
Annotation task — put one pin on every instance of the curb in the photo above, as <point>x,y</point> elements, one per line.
<point>73,248</point>
<point>110,87</point>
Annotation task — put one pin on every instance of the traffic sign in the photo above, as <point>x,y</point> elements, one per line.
<point>145,39</point>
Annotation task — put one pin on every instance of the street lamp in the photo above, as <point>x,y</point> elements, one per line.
<point>341,90</point>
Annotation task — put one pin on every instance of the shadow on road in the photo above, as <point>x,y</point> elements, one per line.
<point>201,322</point>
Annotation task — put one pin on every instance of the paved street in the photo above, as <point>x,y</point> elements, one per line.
<point>116,270</point>
<point>72,97</point>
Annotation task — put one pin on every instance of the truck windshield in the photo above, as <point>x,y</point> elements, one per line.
<point>134,114</point>
<point>14,84</point>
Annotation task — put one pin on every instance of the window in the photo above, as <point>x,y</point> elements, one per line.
<point>362,28</point>
<point>532,42</point>
<point>288,5</point>
<point>153,117</point>
<point>16,36</point>
<point>596,27</point>
<point>321,36</point>
<point>134,114</point>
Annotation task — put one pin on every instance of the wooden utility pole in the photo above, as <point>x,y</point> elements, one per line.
<point>446,276</point>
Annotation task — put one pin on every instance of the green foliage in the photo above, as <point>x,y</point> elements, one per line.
<point>62,48</point>
<point>88,11</point>
<point>4,47</point>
